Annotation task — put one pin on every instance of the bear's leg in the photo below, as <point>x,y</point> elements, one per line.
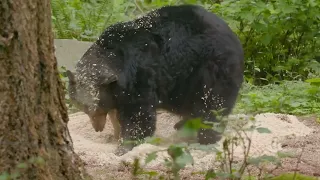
<point>115,123</point>
<point>205,136</point>
<point>137,122</point>
<point>210,136</point>
<point>205,101</point>
<point>221,100</point>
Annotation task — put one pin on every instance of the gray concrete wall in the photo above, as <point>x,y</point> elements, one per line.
<point>69,51</point>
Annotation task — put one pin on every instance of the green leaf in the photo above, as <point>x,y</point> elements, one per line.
<point>175,151</point>
<point>314,81</point>
<point>257,160</point>
<point>150,173</point>
<point>202,147</point>
<point>224,175</point>
<point>268,158</point>
<point>254,161</point>
<point>263,130</point>
<point>210,175</point>
<point>153,140</point>
<point>150,157</point>
<point>184,159</point>
<point>284,154</point>
<point>247,15</point>
<point>191,127</point>
<point>266,39</point>
<point>295,104</point>
<point>288,9</point>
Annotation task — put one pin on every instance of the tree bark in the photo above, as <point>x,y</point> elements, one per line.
<point>33,114</point>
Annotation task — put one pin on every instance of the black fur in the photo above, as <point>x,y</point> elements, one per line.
<point>180,58</point>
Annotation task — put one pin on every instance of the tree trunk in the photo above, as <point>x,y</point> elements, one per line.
<point>33,114</point>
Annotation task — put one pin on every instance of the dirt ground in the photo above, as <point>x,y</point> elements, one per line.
<point>288,133</point>
<point>307,147</point>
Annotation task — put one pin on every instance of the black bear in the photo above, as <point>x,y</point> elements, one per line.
<point>96,116</point>
<point>183,59</point>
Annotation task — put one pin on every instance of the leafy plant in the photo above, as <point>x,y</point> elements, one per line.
<point>290,97</point>
<point>280,38</point>
<point>85,20</point>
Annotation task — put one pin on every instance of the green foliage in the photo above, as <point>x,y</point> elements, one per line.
<point>280,38</point>
<point>290,97</point>
<point>85,20</point>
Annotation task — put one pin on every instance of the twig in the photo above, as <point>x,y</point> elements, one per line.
<point>137,5</point>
